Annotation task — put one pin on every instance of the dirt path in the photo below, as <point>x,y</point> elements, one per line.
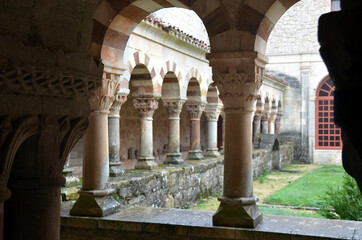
<point>277,180</point>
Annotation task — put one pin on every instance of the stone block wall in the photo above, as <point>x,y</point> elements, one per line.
<point>185,185</point>
<point>172,187</point>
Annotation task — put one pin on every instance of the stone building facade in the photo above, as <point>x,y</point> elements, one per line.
<point>293,52</point>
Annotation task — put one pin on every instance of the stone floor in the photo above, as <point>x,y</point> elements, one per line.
<point>162,223</point>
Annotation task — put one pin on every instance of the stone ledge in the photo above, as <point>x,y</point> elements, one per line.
<point>161,223</point>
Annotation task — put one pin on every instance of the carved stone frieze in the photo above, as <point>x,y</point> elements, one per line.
<point>36,70</point>
<point>102,98</point>
<point>238,90</point>
<point>195,110</point>
<point>146,106</point>
<point>173,108</point>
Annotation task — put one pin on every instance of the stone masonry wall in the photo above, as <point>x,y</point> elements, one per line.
<point>185,185</point>
<point>173,187</point>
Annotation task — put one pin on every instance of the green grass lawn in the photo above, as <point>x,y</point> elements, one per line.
<point>307,190</point>
<point>213,204</point>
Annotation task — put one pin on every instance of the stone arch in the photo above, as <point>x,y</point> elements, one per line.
<point>193,91</point>
<point>194,73</point>
<point>212,95</point>
<point>114,22</point>
<point>270,17</point>
<point>142,71</point>
<point>171,79</point>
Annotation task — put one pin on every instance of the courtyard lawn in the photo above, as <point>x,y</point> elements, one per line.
<point>307,190</point>
<point>296,185</point>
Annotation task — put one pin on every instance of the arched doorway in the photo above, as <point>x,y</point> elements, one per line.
<point>328,135</point>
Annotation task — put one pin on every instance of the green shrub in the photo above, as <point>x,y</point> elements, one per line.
<point>346,201</point>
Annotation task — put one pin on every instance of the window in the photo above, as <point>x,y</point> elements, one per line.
<point>328,135</point>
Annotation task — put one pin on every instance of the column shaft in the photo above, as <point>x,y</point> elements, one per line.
<point>146,145</point>
<point>212,112</point>
<point>113,138</point>
<point>96,159</point>
<point>238,182</point>
<point>173,107</point>
<point>195,112</point>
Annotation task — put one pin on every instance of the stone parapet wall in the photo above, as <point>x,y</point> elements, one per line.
<point>269,159</point>
<point>172,187</point>
<point>185,185</point>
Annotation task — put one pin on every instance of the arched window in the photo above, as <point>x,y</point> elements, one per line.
<point>328,135</point>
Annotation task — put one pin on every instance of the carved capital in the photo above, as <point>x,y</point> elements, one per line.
<point>12,134</point>
<point>102,98</point>
<point>117,104</point>
<point>46,152</point>
<point>195,110</point>
<point>238,90</point>
<point>146,106</point>
<point>173,107</point>
<point>212,111</point>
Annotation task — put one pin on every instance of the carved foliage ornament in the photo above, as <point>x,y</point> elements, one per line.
<point>195,110</point>
<point>45,153</point>
<point>173,108</point>
<point>146,106</point>
<point>117,104</point>
<point>102,98</point>
<point>237,90</point>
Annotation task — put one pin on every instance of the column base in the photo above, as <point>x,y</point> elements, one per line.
<point>173,158</point>
<point>115,169</point>
<point>237,212</point>
<point>70,180</point>
<point>221,150</point>
<point>212,152</point>
<point>195,155</point>
<point>96,203</point>
<point>147,163</point>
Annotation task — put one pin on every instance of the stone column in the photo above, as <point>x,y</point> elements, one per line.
<point>36,178</point>
<point>256,125</point>
<point>212,112</point>
<point>114,137</point>
<point>265,121</point>
<point>238,76</point>
<point>223,131</point>
<point>195,111</point>
<point>94,197</point>
<point>173,107</point>
<point>278,120</point>
<point>146,105</point>
<point>12,135</point>
<point>273,116</point>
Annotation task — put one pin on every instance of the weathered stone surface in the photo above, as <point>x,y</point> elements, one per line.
<point>160,223</point>
<point>180,186</point>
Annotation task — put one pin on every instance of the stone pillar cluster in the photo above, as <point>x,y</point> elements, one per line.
<point>266,121</point>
